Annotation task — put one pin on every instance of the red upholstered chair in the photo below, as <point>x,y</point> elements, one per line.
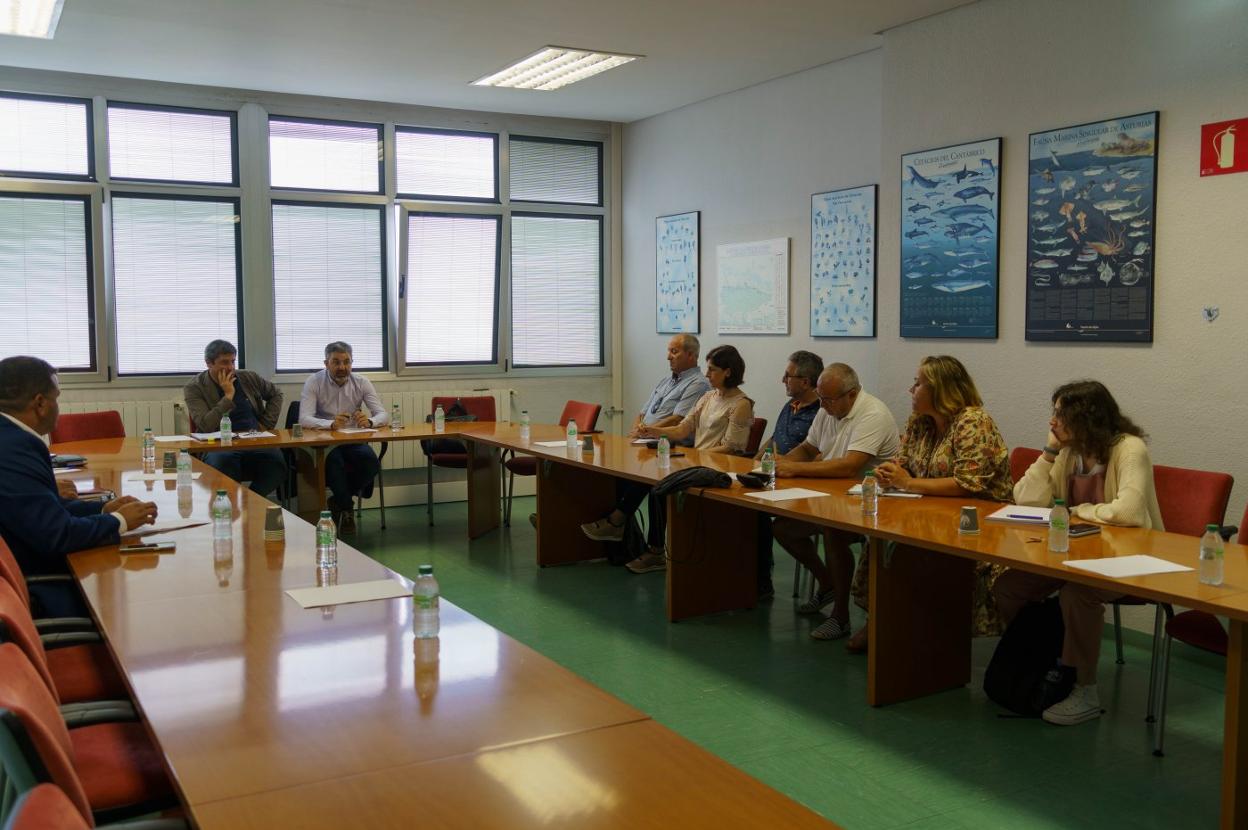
<point>1021,459</point>
<point>86,426</point>
<point>757,427</point>
<point>447,452</point>
<point>46,807</point>
<point>586,417</point>
<point>108,770</point>
<point>11,573</point>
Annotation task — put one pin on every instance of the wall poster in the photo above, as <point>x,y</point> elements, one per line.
<point>1092,195</point>
<point>754,287</point>
<point>677,264</point>
<point>949,240</point>
<point>842,262</point>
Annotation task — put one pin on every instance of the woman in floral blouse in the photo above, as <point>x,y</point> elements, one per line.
<point>951,447</point>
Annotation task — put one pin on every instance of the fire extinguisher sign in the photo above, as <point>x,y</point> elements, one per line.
<point>1224,147</point>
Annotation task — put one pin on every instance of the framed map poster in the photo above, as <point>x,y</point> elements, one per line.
<point>677,264</point>
<point>842,262</point>
<point>1091,202</point>
<point>949,240</point>
<point>754,287</point>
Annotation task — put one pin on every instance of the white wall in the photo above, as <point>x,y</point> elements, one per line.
<point>749,161</point>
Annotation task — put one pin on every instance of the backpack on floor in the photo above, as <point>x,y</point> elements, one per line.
<point>1023,675</point>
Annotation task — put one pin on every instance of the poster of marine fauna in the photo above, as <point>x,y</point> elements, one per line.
<point>1091,200</point>
<point>949,240</point>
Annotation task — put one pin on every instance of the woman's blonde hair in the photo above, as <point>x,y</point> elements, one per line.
<point>951,385</point>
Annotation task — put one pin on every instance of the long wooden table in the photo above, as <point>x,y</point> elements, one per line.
<point>272,715</point>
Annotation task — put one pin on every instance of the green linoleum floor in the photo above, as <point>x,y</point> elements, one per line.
<point>753,688</point>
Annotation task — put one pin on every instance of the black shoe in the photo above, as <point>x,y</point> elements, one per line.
<point>533,520</point>
<point>766,592</point>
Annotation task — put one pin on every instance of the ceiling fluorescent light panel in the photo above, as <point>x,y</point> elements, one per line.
<point>554,67</point>
<point>30,18</point>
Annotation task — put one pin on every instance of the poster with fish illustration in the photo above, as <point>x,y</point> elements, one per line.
<point>677,258</point>
<point>949,240</point>
<point>1092,197</point>
<point>842,262</point>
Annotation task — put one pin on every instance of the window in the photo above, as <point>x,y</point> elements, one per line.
<point>556,290</point>
<point>45,280</point>
<point>556,170</point>
<point>170,144</point>
<point>176,277</point>
<point>44,137</point>
<point>442,164</point>
<point>328,278</point>
<point>325,155</point>
<point>451,265</point>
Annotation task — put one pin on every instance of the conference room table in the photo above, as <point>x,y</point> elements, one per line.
<point>272,715</point>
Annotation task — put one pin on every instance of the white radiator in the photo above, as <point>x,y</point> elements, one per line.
<point>162,416</point>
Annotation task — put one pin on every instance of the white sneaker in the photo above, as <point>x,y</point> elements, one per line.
<point>1081,705</point>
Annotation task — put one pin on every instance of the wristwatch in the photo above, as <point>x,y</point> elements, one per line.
<point>1053,450</point>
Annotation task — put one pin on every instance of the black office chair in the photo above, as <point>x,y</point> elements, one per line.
<point>292,484</point>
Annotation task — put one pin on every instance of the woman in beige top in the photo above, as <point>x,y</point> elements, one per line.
<point>719,421</point>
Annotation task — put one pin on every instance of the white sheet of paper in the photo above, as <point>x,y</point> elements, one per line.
<point>856,490</point>
<point>162,527</point>
<point>1121,567</point>
<point>156,476</point>
<point>1022,515</point>
<point>351,431</point>
<point>550,443</point>
<point>785,494</point>
<point>642,441</point>
<point>60,471</point>
<point>254,434</point>
<point>207,436</point>
<point>164,439</point>
<point>85,486</point>
<point>344,594</point>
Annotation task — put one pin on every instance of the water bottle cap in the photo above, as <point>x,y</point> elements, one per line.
<point>1212,528</point>
<point>425,570</point>
<point>325,514</point>
<point>1059,502</point>
<point>220,492</point>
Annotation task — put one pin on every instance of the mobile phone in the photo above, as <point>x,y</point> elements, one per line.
<point>675,455</point>
<point>1083,529</point>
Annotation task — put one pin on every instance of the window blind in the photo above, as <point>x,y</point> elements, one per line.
<point>446,165</point>
<point>324,156</point>
<point>44,137</point>
<point>566,172</point>
<point>176,277</point>
<point>45,280</point>
<point>327,284</point>
<point>170,145</point>
<point>556,290</point>
<point>452,282</point>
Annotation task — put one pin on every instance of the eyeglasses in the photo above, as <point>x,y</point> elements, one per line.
<point>787,376</point>
<point>836,398</point>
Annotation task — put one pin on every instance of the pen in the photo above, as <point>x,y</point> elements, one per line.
<point>1025,518</point>
<point>146,545</point>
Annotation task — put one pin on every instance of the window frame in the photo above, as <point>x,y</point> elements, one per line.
<point>574,141</point>
<point>385,288</point>
<point>89,103</point>
<point>402,195</point>
<point>298,119</point>
<point>235,175</point>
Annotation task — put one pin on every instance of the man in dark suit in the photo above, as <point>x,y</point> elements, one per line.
<point>38,524</point>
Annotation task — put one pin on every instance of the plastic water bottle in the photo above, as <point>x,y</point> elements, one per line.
<point>768,466</point>
<point>227,431</point>
<point>149,451</point>
<point>326,542</point>
<point>665,453</point>
<point>396,418</point>
<point>1059,527</point>
<point>526,426</point>
<point>184,469</point>
<point>572,447</point>
<point>1211,554</point>
<point>222,516</point>
<point>870,494</point>
<point>425,593</point>
<point>439,419</point>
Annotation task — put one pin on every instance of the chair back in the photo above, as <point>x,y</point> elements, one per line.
<point>1191,499</point>
<point>11,572</point>
<point>1021,458</point>
<point>480,405</point>
<point>17,627</point>
<point>757,427</point>
<point>30,715</point>
<point>46,807</point>
<point>292,414</point>
<point>585,414</point>
<point>87,426</point>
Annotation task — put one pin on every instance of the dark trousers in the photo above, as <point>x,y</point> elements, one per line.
<point>766,559</point>
<point>56,598</point>
<point>631,495</point>
<point>349,471</point>
<point>265,469</point>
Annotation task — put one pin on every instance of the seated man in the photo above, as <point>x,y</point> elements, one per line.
<point>853,431</point>
<point>213,393</point>
<point>334,398</point>
<point>39,525</point>
<point>674,396</point>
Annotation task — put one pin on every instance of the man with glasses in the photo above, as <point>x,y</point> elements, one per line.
<point>676,393</point>
<point>852,431</point>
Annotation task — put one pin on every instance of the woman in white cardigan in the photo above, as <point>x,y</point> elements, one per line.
<point>1095,459</point>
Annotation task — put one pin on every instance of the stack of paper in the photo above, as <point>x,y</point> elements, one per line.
<point>784,494</point>
<point>1023,515</point>
<point>1121,567</point>
<point>345,594</point>
<point>856,490</point>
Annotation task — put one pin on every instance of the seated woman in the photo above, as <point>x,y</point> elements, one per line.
<point>1096,460</point>
<point>950,447</point>
<point>719,421</point>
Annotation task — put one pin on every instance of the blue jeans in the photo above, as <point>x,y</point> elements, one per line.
<point>349,471</point>
<point>265,469</point>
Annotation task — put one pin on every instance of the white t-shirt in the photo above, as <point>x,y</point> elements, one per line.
<point>868,428</point>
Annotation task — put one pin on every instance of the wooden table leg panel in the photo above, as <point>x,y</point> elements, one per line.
<point>713,550</point>
<point>310,465</point>
<point>1235,733</point>
<point>567,497</point>
<point>484,493</point>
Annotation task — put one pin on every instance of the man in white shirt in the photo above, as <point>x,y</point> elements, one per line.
<point>852,431</point>
<point>334,398</point>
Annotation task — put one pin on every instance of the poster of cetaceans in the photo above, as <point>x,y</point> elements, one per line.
<point>842,262</point>
<point>1092,196</point>
<point>949,240</point>
<point>677,258</point>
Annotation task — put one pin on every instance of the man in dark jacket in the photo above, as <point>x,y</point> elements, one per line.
<point>252,403</point>
<point>40,526</point>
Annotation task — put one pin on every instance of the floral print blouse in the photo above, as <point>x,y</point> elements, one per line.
<point>972,452</point>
